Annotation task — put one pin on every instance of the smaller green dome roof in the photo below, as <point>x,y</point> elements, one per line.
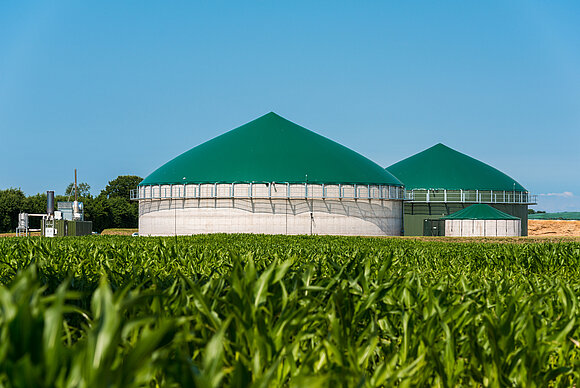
<point>441,167</point>
<point>479,212</point>
<point>271,149</point>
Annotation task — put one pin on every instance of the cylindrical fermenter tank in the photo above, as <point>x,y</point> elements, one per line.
<point>271,176</point>
<point>50,203</point>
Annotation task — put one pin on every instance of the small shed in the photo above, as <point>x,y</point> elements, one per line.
<point>481,220</point>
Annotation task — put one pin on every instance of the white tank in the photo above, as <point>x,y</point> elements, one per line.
<point>368,211</point>
<point>270,176</point>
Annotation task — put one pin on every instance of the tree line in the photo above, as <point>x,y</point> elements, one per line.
<point>112,208</point>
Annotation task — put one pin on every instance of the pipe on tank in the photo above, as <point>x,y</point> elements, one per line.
<point>50,203</point>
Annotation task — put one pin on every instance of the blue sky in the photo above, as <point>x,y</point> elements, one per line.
<point>114,88</point>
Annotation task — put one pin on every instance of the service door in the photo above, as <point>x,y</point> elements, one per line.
<point>433,227</point>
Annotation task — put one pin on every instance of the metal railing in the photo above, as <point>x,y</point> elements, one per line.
<point>471,196</point>
<point>267,190</point>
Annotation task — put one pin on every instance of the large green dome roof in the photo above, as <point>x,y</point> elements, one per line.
<point>271,149</point>
<point>441,167</point>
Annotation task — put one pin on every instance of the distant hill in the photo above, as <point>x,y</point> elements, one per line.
<point>555,216</point>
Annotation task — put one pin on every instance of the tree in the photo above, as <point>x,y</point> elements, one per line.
<point>12,202</point>
<point>124,214</point>
<point>98,211</point>
<point>532,211</point>
<point>113,207</point>
<point>122,186</point>
<point>83,190</point>
<point>35,204</point>
<point>115,212</point>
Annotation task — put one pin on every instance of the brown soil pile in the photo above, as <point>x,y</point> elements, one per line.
<point>119,232</point>
<point>553,228</point>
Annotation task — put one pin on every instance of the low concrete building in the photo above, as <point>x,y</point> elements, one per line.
<point>270,176</point>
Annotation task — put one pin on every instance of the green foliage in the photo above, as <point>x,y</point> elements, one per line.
<point>244,310</point>
<point>113,212</point>
<point>11,203</point>
<point>113,207</point>
<point>35,204</point>
<point>122,186</point>
<point>83,190</point>
<point>532,211</point>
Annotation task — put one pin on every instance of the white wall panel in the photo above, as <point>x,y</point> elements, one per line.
<point>270,216</point>
<point>480,228</point>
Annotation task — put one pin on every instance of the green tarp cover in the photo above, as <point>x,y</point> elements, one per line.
<point>271,149</point>
<point>479,212</point>
<point>441,167</point>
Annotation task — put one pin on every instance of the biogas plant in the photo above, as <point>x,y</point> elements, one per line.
<point>272,176</point>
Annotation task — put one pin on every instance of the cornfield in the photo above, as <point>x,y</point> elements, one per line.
<point>265,311</point>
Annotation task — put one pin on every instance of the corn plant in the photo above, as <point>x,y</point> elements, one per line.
<point>261,311</point>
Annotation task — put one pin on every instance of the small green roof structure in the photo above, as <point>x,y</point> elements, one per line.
<point>443,168</point>
<point>271,149</point>
<point>479,212</point>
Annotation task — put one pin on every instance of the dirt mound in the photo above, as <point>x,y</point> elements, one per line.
<point>553,228</point>
<point>119,232</point>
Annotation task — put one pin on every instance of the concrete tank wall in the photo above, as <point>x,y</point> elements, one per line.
<point>349,217</point>
<point>482,228</point>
